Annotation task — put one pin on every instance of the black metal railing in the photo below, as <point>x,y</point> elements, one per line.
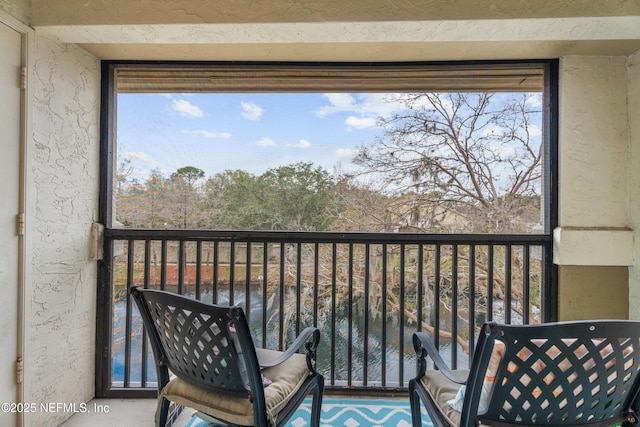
<point>367,292</point>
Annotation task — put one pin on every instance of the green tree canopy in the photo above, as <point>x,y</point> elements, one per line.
<point>294,197</point>
<point>189,174</point>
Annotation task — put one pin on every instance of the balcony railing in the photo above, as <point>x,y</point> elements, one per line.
<point>366,292</point>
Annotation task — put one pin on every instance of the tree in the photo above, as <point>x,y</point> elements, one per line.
<point>154,205</point>
<point>294,197</point>
<point>298,197</point>
<point>185,196</point>
<point>189,175</point>
<point>473,159</point>
<point>464,163</point>
<point>358,208</point>
<point>129,199</point>
<point>235,201</point>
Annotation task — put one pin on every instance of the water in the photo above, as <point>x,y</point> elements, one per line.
<point>333,348</point>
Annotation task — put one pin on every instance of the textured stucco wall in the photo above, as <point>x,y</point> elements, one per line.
<point>62,175</point>
<point>593,187</point>
<point>19,9</point>
<point>593,293</point>
<point>593,142</point>
<point>47,12</point>
<point>335,30</point>
<point>634,179</point>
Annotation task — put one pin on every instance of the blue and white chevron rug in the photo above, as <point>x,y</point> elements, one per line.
<point>349,413</point>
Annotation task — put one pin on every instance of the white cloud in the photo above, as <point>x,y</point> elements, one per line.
<point>534,100</point>
<point>361,122</point>
<point>143,165</point>
<point>380,104</point>
<point>303,144</point>
<point>366,108</point>
<point>345,153</point>
<point>535,130</point>
<point>265,142</point>
<point>338,102</point>
<point>251,111</point>
<point>207,134</point>
<point>187,109</point>
<point>140,156</point>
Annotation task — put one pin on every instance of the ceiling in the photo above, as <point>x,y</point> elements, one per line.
<point>335,30</point>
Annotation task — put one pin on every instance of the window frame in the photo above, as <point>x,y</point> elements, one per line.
<point>108,163</point>
<point>334,77</point>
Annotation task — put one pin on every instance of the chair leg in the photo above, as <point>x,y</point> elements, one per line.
<point>316,405</point>
<point>162,413</point>
<point>414,399</point>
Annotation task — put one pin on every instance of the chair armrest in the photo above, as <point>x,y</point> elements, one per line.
<point>303,339</point>
<point>424,347</point>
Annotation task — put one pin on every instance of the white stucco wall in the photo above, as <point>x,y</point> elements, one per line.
<point>634,179</point>
<point>62,201</point>
<point>594,217</point>
<point>61,197</point>
<point>593,142</point>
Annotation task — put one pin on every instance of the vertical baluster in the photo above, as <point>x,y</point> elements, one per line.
<point>334,256</point>
<point>316,282</point>
<point>144,351</point>
<point>401,316</point>
<point>472,299</point>
<point>181,266</point>
<point>384,316</point>
<point>526,283</point>
<point>436,332</point>
<point>490,268</point>
<point>265,297</point>
<point>365,344</point>
<point>163,265</point>
<point>215,272</point>
<point>454,306</point>
<point>128,316</point>
<point>247,286</point>
<point>507,282</point>
<point>232,272</point>
<point>420,290</point>
<point>350,317</point>
<point>298,286</point>
<point>198,267</point>
<point>282,292</point>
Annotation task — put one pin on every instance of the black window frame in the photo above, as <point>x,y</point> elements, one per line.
<point>107,164</point>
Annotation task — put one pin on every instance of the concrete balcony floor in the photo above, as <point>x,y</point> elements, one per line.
<point>121,413</point>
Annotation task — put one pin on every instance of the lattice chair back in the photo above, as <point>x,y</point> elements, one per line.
<point>571,373</point>
<point>202,344</point>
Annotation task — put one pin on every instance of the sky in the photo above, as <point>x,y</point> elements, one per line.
<point>253,132</point>
<point>249,131</point>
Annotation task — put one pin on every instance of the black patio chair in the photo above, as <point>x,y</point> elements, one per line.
<point>556,374</point>
<point>206,360</point>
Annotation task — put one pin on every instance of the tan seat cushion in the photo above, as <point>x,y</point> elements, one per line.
<point>286,379</point>
<point>441,390</point>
